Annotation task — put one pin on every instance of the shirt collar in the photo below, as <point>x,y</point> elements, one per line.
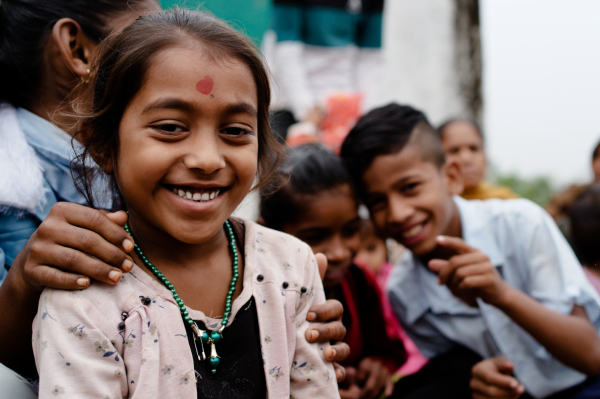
<point>417,287</point>
<point>56,149</point>
<point>46,138</point>
<point>474,220</point>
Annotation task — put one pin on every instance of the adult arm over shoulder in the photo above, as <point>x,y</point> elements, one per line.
<point>58,255</point>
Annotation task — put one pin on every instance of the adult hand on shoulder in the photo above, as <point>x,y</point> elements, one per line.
<point>491,378</point>
<point>469,274</point>
<point>329,313</point>
<point>373,378</point>
<point>73,244</point>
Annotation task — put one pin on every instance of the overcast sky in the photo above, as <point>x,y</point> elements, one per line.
<point>542,86</point>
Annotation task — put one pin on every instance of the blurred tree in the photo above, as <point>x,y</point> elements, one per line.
<point>538,190</point>
<point>250,16</point>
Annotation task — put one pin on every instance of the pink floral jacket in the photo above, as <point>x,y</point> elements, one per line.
<point>81,353</point>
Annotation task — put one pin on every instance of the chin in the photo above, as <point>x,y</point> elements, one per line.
<point>424,247</point>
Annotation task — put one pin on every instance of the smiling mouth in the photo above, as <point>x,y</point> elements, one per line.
<point>198,194</point>
<point>413,235</point>
<point>413,231</point>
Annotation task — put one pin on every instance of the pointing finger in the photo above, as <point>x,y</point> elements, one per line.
<point>455,243</point>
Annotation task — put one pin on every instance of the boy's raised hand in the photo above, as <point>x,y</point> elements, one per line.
<point>469,274</point>
<point>491,378</point>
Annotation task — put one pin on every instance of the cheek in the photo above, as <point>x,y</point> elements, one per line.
<point>246,162</point>
<point>353,245</point>
<point>378,219</point>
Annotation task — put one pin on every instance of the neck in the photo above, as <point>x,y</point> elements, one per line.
<point>167,252</point>
<point>55,111</point>
<point>454,229</point>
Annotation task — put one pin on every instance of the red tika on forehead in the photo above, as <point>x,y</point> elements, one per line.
<point>205,86</point>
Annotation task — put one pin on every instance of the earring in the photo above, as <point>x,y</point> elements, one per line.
<point>85,79</point>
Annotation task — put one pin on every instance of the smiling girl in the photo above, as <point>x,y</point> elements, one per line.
<point>213,305</point>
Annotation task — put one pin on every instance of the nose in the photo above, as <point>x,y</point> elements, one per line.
<point>399,211</point>
<point>204,153</point>
<point>465,156</point>
<point>337,251</point>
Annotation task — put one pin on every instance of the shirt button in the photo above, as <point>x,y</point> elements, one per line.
<point>260,277</point>
<point>285,285</point>
<point>303,290</point>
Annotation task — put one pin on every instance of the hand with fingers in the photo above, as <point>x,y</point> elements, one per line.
<point>469,274</point>
<point>329,313</point>
<point>73,244</point>
<point>373,378</point>
<point>492,378</point>
<point>349,388</point>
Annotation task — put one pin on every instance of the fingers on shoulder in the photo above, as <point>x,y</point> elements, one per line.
<point>330,310</point>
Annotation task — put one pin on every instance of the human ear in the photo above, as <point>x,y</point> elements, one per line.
<point>74,46</point>
<point>451,171</point>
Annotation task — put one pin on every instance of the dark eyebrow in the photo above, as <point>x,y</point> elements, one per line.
<point>175,103</point>
<point>168,103</point>
<point>241,108</point>
<point>403,180</point>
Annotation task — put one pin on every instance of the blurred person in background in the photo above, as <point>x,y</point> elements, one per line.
<point>317,204</point>
<point>585,232</point>
<point>560,204</point>
<point>323,48</point>
<point>46,52</point>
<point>373,256</point>
<point>462,140</point>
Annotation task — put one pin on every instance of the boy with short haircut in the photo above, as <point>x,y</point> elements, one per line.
<point>495,277</point>
<point>585,231</point>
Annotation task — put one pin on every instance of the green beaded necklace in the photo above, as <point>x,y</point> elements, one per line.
<point>200,335</point>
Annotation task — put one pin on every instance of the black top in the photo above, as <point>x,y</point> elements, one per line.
<point>240,373</point>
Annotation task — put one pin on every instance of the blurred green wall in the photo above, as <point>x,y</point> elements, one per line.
<point>250,16</point>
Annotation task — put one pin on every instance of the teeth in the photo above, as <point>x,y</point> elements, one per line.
<point>413,231</point>
<point>196,196</point>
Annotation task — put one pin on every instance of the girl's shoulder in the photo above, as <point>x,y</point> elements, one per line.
<point>277,256</point>
<point>111,301</point>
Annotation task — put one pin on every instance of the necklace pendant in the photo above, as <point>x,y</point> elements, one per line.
<point>202,337</point>
<point>214,358</point>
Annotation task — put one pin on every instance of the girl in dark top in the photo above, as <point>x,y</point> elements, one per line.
<point>317,204</point>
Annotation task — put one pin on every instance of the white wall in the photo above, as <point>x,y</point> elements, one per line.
<point>418,49</point>
<point>542,85</point>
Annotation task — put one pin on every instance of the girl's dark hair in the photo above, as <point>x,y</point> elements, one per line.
<point>470,121</point>
<point>25,27</point>
<point>585,226</point>
<point>387,130</point>
<point>309,170</point>
<point>119,74</point>
<point>596,152</point>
